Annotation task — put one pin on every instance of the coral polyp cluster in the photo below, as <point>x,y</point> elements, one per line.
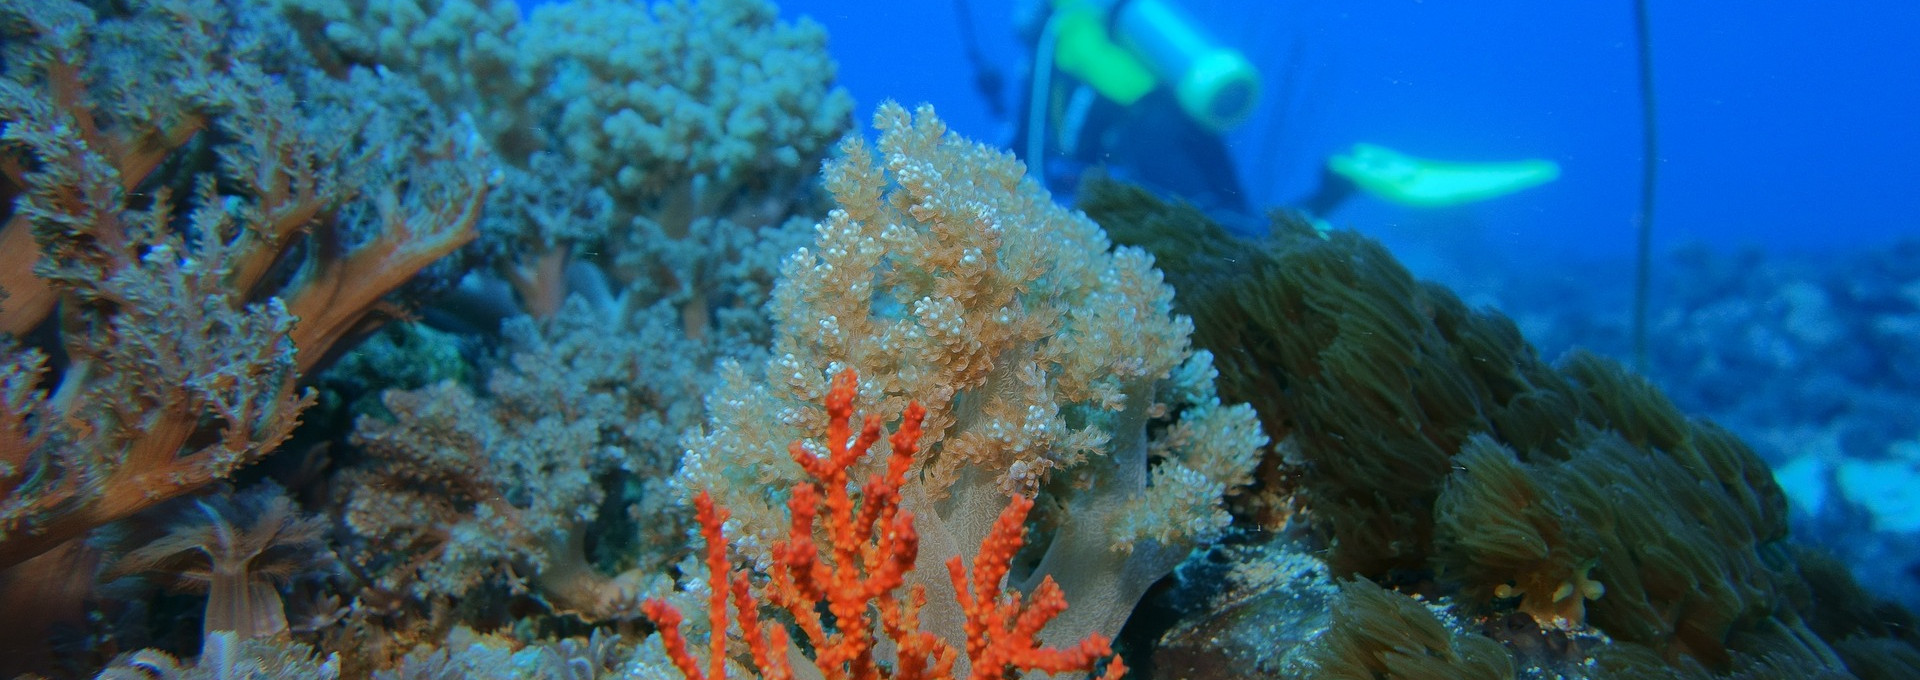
<point>435,338</point>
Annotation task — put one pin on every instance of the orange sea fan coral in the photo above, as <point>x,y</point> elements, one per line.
<point>869,549</point>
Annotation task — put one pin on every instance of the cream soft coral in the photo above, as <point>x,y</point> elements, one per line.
<point>1043,356</point>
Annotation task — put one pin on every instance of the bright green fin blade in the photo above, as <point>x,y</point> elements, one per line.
<point>1424,183</point>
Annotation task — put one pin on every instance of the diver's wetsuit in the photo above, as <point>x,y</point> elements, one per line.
<point>1151,143</point>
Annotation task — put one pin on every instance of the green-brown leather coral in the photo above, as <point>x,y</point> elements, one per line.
<point>1378,633</point>
<point>1429,446</point>
<point>1376,379</point>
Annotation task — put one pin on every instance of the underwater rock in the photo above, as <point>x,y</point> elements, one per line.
<point>1276,600</point>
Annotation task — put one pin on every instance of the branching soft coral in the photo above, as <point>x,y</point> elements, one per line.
<point>196,218</point>
<point>670,136</point>
<point>1048,361</point>
<point>868,551</point>
<point>575,429</point>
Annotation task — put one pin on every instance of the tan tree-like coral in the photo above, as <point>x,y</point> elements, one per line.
<point>1047,360</point>
<point>195,221</point>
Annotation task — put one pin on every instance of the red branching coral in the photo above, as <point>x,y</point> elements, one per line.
<point>869,545</point>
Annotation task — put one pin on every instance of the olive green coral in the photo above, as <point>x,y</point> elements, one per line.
<point>1377,379</point>
<point>1379,634</point>
<point>1667,558</point>
<point>1428,443</point>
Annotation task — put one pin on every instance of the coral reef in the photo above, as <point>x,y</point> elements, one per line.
<point>655,141</point>
<point>463,489</point>
<point>657,155</point>
<point>1429,447</point>
<point>700,100</point>
<point>1258,607</point>
<point>628,392</point>
<point>1380,633</point>
<point>228,655</point>
<point>209,230</point>
<point>1809,357</point>
<point>867,553</point>
<point>239,549</point>
<point>481,657</point>
<point>1047,363</point>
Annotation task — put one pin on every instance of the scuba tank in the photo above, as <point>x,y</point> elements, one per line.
<point>1125,49</point>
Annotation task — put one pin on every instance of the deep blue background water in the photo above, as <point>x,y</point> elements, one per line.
<point>1789,163</point>
<point>1788,125</point>
<point>1791,127</point>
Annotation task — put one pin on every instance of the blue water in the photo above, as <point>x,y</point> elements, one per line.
<point>1785,307</point>
<point>1789,126</point>
<point>1786,128</point>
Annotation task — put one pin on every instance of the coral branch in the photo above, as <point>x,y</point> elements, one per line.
<point>334,299</point>
<point>180,339</point>
<point>25,299</point>
<point>1048,362</point>
<point>872,548</point>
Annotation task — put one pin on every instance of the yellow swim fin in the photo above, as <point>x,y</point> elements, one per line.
<point>1424,183</point>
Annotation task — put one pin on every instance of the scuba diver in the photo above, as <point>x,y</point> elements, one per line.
<point>1138,91</point>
